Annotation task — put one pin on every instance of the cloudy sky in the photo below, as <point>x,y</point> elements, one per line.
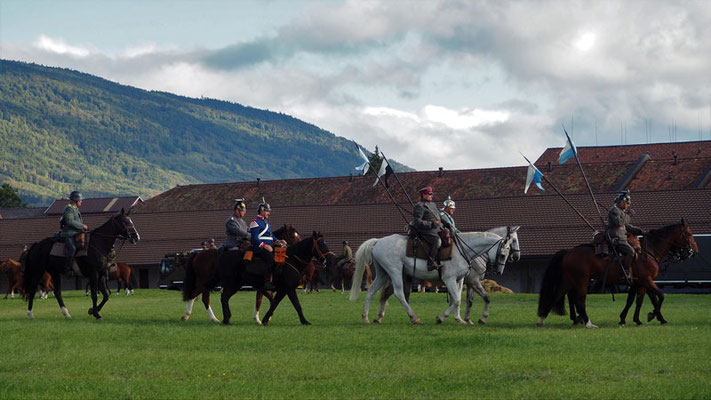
<point>458,84</point>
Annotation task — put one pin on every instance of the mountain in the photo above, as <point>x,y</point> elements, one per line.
<point>63,130</point>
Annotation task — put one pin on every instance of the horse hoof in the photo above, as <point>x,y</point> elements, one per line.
<point>663,322</point>
<point>438,320</point>
<point>481,322</point>
<point>226,323</point>
<point>540,323</point>
<point>30,315</point>
<point>622,323</point>
<point>306,323</point>
<point>91,311</point>
<point>377,321</point>
<point>417,321</point>
<point>469,322</point>
<point>650,317</point>
<point>184,318</point>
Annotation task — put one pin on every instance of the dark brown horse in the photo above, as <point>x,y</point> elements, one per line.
<point>570,271</point>
<point>14,274</point>
<point>92,265</point>
<point>311,276</point>
<point>342,274</point>
<point>201,274</point>
<point>286,276</point>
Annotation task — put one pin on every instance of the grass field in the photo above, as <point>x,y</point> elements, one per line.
<point>142,350</point>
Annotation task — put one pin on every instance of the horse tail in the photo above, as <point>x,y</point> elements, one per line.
<point>35,265</point>
<point>189,281</point>
<point>363,257</point>
<point>548,298</point>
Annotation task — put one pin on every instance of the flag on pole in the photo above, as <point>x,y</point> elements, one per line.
<point>366,163</point>
<point>384,170</point>
<point>534,175</point>
<point>568,152</point>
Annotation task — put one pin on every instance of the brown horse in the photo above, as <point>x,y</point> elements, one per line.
<point>201,274</point>
<point>310,276</point>
<point>570,270</point>
<point>344,273</point>
<point>122,274</point>
<point>14,274</point>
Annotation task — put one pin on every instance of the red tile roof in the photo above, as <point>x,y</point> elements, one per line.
<point>658,151</point>
<point>96,205</point>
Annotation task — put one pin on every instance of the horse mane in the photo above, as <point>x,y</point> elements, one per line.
<point>663,231</point>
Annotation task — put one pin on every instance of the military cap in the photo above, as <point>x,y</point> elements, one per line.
<point>426,190</point>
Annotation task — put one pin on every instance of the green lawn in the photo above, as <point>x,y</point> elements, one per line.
<point>142,350</point>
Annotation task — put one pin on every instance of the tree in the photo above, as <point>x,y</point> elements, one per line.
<point>9,198</point>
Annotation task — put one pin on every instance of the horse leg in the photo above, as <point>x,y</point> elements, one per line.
<point>57,278</point>
<point>227,293</point>
<point>206,303</point>
<point>476,287</point>
<point>297,306</point>
<point>658,306</point>
<point>104,296</point>
<point>580,305</point>
<point>384,296</point>
<point>379,282</point>
<point>631,294</point>
<point>257,306</point>
<point>342,285</point>
<point>188,309</point>
<point>274,304</point>
<point>400,294</point>
<point>86,289</point>
<point>638,304</point>
<point>94,282</point>
<point>455,300</point>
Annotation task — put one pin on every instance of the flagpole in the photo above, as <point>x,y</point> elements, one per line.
<point>592,195</point>
<point>407,221</point>
<point>566,200</point>
<point>398,181</point>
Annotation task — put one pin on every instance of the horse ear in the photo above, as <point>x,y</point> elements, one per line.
<point>513,229</point>
<point>123,211</point>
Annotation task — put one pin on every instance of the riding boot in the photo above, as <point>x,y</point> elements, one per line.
<point>431,254</point>
<point>268,285</point>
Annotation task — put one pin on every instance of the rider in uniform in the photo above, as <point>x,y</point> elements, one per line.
<point>235,227</point>
<point>211,244</point>
<point>262,241</point>
<point>346,257</point>
<point>447,215</point>
<point>72,224</point>
<point>427,224</point>
<point>618,224</point>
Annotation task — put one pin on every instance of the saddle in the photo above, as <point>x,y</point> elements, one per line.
<point>603,243</point>
<point>59,248</point>
<point>445,253</point>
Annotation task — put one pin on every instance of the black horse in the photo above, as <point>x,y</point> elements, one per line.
<point>93,265</point>
<point>285,278</point>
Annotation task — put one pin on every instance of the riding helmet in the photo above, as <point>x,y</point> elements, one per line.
<point>239,205</point>
<point>263,206</point>
<point>624,195</point>
<point>76,196</point>
<point>449,202</point>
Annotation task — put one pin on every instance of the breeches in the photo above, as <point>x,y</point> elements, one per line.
<point>625,248</point>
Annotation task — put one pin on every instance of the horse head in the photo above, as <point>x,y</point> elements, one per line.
<point>683,243</point>
<point>288,233</point>
<point>124,227</point>
<point>510,232</point>
<point>499,254</point>
<point>319,248</point>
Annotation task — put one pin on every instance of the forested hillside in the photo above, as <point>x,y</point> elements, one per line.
<point>62,130</point>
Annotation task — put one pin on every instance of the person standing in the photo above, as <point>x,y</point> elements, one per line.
<point>72,224</point>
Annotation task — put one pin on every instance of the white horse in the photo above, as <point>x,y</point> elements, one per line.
<point>387,256</point>
<point>478,269</point>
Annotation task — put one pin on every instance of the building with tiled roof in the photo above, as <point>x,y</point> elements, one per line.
<point>94,205</point>
<point>663,192</point>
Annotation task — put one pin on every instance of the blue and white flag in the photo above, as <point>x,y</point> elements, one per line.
<point>534,175</point>
<point>366,163</point>
<point>384,167</point>
<point>568,152</point>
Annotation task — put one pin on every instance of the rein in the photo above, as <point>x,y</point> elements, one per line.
<point>458,241</point>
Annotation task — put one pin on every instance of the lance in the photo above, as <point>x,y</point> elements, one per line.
<point>407,221</point>
<point>565,199</point>
<point>398,181</point>
<point>592,195</point>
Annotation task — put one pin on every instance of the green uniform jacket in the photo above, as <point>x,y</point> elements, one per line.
<point>72,222</point>
<point>618,223</point>
<point>347,253</point>
<point>448,222</point>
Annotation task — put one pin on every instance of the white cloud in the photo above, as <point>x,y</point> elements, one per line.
<point>59,46</point>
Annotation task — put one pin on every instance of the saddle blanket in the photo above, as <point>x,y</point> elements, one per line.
<point>445,253</point>
<point>255,267</point>
<point>59,250</point>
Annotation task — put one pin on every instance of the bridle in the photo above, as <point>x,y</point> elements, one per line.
<point>501,243</point>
